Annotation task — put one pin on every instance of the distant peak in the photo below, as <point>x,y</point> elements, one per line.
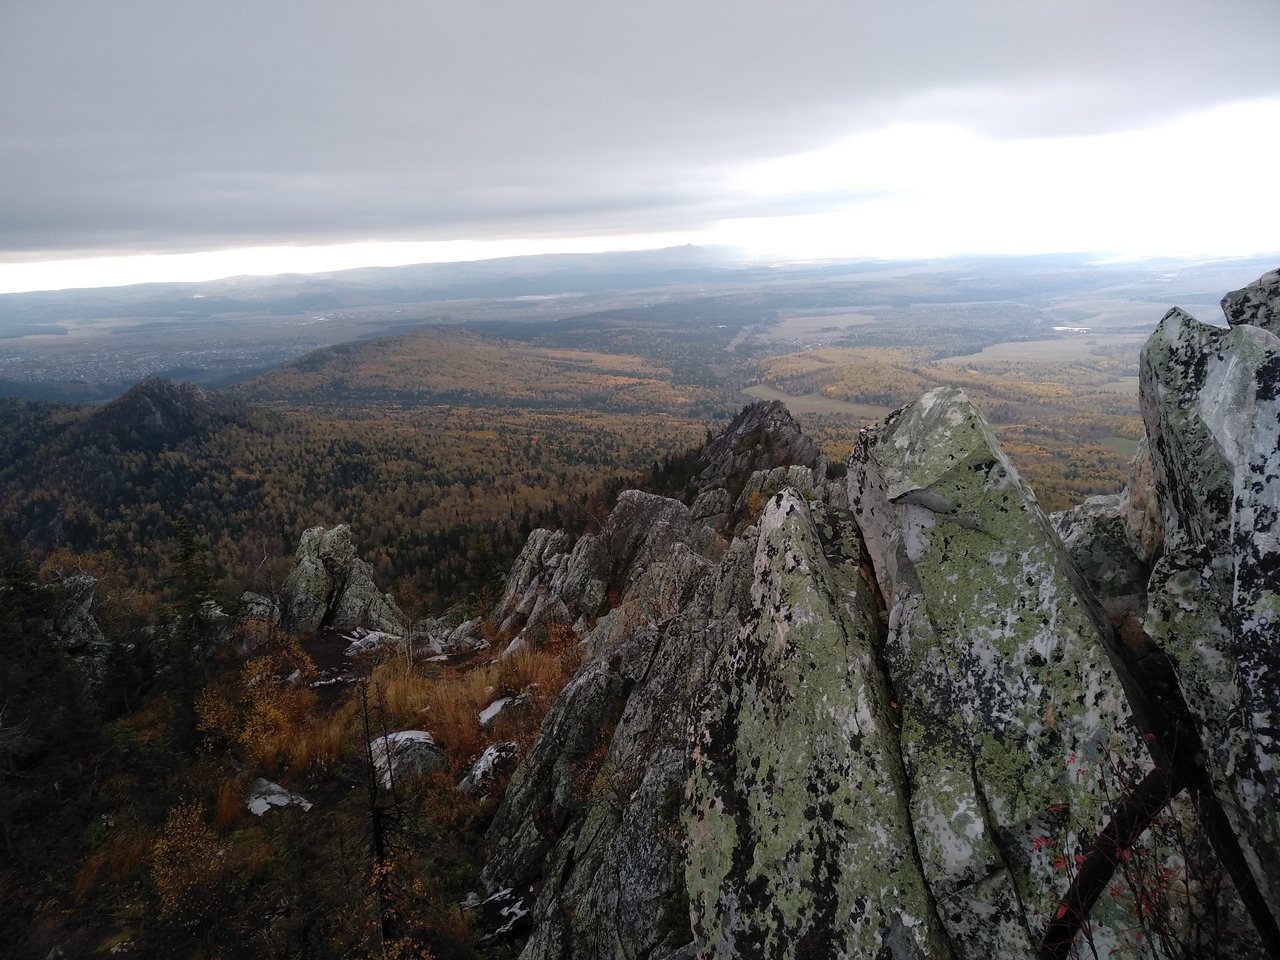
<point>157,412</point>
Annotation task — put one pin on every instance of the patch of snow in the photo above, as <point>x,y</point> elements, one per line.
<point>264,795</point>
<point>482,770</point>
<point>493,709</point>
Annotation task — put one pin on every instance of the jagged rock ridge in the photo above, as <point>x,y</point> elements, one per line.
<point>868,717</point>
<point>1211,402</point>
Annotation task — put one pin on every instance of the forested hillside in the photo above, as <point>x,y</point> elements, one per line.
<point>441,450</point>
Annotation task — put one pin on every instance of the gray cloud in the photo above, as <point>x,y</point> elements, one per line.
<point>162,125</point>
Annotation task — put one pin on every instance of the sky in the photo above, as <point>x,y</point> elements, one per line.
<point>162,140</point>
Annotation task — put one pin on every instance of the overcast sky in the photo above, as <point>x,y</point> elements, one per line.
<point>896,128</point>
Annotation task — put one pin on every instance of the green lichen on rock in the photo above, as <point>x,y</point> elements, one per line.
<point>1009,698</point>
<point>1210,398</point>
<point>799,843</point>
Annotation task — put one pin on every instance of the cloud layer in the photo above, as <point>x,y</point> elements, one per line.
<point>179,126</point>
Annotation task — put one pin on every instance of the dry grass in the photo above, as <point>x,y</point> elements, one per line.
<point>321,741</point>
<point>124,851</point>
<point>449,705</point>
<point>231,793</point>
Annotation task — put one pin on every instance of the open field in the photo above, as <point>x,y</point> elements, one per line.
<point>817,403</point>
<point>814,328</point>
<point>1126,385</point>
<point>92,344</point>
<point>1063,349</point>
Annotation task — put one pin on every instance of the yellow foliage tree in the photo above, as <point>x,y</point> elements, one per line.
<point>186,864</point>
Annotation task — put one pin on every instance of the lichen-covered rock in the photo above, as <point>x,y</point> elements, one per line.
<point>254,606</point>
<point>405,753</point>
<point>1009,700</point>
<point>330,586</point>
<point>370,641</point>
<point>799,839</point>
<point>497,758</point>
<point>539,547</point>
<point>1211,402</point>
<point>1257,305</point>
<point>763,484</point>
<point>359,601</point>
<point>711,503</point>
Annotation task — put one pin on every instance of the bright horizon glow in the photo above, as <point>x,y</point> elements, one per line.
<point>127,269</point>
<point>1182,190</point>
<point>1202,186</point>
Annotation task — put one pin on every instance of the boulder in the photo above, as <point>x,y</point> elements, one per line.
<point>370,641</point>
<point>406,753</point>
<point>360,601</point>
<point>254,606</point>
<point>490,713</point>
<point>1011,706</point>
<point>1257,305</point>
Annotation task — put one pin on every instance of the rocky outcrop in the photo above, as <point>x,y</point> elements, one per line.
<point>1211,402</point>
<point>1140,508</point>
<point>596,803</point>
<point>746,766</point>
<point>798,828</point>
<point>761,437</point>
<point>330,586</point>
<point>903,714</point>
<point>551,583</point>
<point>76,627</point>
<point>1096,536</point>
